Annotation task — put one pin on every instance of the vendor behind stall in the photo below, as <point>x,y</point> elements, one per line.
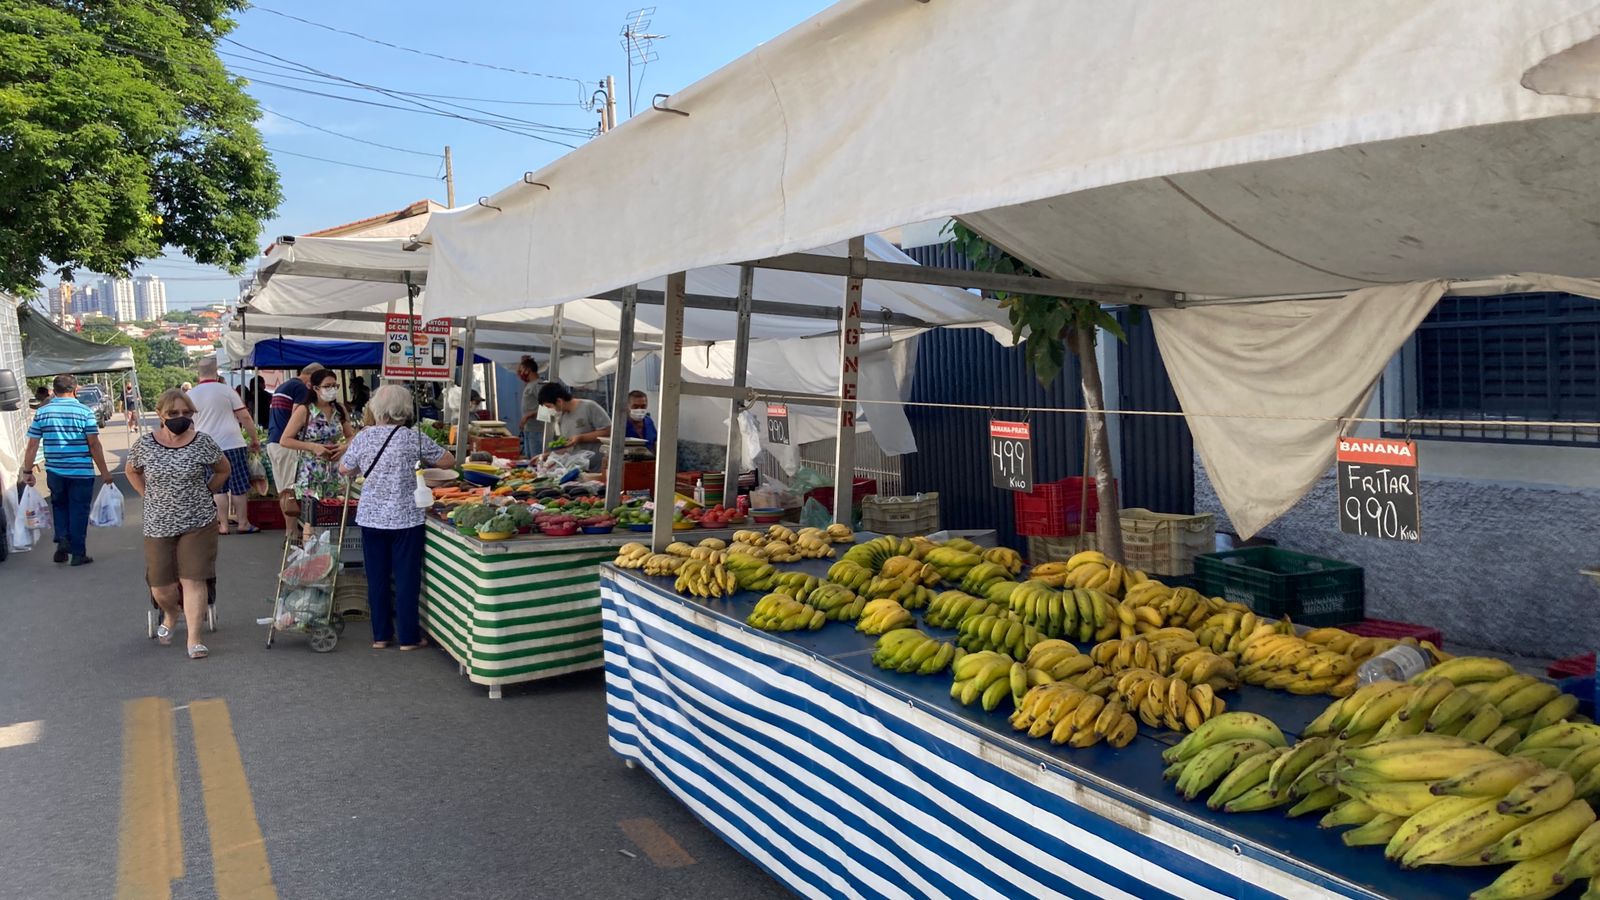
<point>582,423</point>
<point>640,425</point>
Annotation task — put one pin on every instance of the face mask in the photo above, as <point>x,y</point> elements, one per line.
<point>638,414</point>
<point>546,414</point>
<point>328,395</point>
<point>179,424</point>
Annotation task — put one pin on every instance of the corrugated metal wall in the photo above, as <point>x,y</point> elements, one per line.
<point>1157,470</point>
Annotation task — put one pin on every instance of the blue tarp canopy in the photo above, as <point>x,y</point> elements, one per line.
<point>287,353</point>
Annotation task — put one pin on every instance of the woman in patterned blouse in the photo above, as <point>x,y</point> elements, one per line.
<point>320,428</point>
<point>387,455</point>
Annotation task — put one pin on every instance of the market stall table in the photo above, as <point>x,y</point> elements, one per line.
<point>520,609</point>
<point>844,780</point>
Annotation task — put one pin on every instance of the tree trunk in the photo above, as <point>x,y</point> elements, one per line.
<point>1108,525</point>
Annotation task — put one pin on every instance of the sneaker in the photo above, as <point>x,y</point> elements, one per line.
<point>81,560</point>
<point>61,553</point>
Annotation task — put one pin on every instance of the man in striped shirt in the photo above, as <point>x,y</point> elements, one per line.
<point>72,452</point>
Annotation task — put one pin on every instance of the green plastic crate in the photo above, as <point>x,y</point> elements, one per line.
<point>1275,582</point>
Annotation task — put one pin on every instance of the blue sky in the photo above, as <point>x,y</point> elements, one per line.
<point>570,40</point>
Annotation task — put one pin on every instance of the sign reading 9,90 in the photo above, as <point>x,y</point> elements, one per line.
<point>777,423</point>
<point>1378,494</point>
<point>1011,455</point>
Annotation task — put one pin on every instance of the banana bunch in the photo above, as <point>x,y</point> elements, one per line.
<point>874,553</point>
<point>1054,660</point>
<point>1069,715</point>
<point>1179,607</point>
<point>815,545</point>
<point>948,609</point>
<point>1361,648</point>
<point>837,601</point>
<point>780,612</point>
<point>1172,702</point>
<point>907,651</point>
<point>1080,614</point>
<point>753,538</point>
<point>1176,656</point>
<point>840,534</point>
<point>981,576</point>
<point>1287,662</point>
<point>780,533</point>
<point>883,615</point>
<point>986,676</point>
<point>952,562</point>
<point>798,585</point>
<point>1004,633</point>
<point>850,573</point>
<point>703,579</point>
<point>1090,569</point>
<point>714,544</point>
<point>782,551</point>
<point>632,556</point>
<point>1050,574</point>
<point>1227,630</point>
<point>708,554</point>
<point>1234,752</point>
<point>907,593</point>
<point>956,543</point>
<point>1006,558</point>
<point>741,548</point>
<point>911,570</point>
<point>752,572</point>
<point>662,564</point>
<point>1572,747</point>
<point>679,548</point>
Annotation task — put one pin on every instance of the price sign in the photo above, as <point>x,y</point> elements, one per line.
<point>778,423</point>
<point>1011,455</point>
<point>1378,494</point>
<point>414,350</point>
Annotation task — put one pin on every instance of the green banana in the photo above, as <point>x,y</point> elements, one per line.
<point>1318,800</point>
<point>1254,800</point>
<point>1460,702</point>
<point>1323,723</point>
<point>1483,723</point>
<point>1564,734</point>
<point>1429,694</point>
<point>1583,860</point>
<point>1469,669</point>
<point>1465,836</point>
<point>1555,711</point>
<point>1379,829</point>
<point>1288,767</point>
<point>1426,765</point>
<point>1527,701</point>
<point>1400,798</point>
<point>1490,778</point>
<point>1497,692</point>
<point>1543,834</point>
<point>1226,727</point>
<point>1377,710</point>
<point>1350,812</point>
<point>1430,819</point>
<point>1249,773</point>
<point>1504,738</point>
<point>1213,762</point>
<point>1531,879</point>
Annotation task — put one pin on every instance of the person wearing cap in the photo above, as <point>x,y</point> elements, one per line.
<point>289,396</point>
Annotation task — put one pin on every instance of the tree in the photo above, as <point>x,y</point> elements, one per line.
<point>1050,325</point>
<point>122,133</point>
<point>155,375</point>
<point>166,352</point>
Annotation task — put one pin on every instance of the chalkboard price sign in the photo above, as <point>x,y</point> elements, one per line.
<point>1378,488</point>
<point>778,423</point>
<point>1011,455</point>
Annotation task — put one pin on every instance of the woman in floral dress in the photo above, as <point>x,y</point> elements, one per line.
<point>321,430</point>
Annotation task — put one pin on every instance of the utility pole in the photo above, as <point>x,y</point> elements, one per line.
<point>610,118</point>
<point>449,180</point>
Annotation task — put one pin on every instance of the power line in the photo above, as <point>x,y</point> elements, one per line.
<point>350,137</point>
<point>282,72</point>
<point>582,85</point>
<point>340,162</point>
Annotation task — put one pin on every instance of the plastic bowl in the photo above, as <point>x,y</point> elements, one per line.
<point>766,518</point>
<point>646,526</point>
<point>766,511</point>
<point>598,529</point>
<point>559,530</point>
<point>481,479</point>
<point>495,535</point>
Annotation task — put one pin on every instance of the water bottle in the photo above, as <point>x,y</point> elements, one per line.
<point>1398,663</point>
<point>422,496</point>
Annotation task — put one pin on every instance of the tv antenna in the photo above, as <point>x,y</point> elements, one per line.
<point>639,43</point>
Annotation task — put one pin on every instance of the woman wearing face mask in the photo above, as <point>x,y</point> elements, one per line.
<point>582,422</point>
<point>640,425</point>
<point>177,469</point>
<point>321,429</point>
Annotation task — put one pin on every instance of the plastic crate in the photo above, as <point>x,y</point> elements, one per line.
<point>1383,628</point>
<point>505,447</point>
<point>265,513</point>
<point>1275,582</point>
<point>1582,687</point>
<point>901,515</point>
<point>860,489</point>
<point>1054,509</point>
<point>1059,549</point>
<point>1165,543</point>
<point>1568,667</point>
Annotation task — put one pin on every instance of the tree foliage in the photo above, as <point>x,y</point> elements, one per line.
<point>153,361</point>
<point>1045,323</point>
<point>121,133</point>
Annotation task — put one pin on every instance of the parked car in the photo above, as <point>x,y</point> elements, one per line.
<point>95,397</point>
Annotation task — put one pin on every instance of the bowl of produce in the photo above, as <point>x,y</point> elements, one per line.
<point>556,524</point>
<point>597,525</point>
<point>640,526</point>
<point>500,526</point>
<point>767,515</point>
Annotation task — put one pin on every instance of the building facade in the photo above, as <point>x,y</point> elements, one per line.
<point>60,303</point>
<point>150,298</point>
<point>117,300</point>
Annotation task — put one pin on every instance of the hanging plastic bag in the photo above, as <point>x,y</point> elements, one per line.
<point>18,536</point>
<point>107,509</point>
<point>815,515</point>
<point>258,475</point>
<point>35,511</point>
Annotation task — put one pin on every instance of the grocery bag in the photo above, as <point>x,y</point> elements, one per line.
<point>107,509</point>
<point>313,564</point>
<point>17,533</point>
<point>35,511</point>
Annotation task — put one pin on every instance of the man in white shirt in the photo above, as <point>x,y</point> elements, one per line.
<point>220,412</point>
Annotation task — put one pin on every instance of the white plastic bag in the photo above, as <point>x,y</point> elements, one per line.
<point>107,509</point>
<point>34,510</point>
<point>18,536</point>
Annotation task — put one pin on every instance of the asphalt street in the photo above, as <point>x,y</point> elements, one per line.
<point>360,773</point>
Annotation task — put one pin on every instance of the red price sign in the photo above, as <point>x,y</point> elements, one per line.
<point>778,423</point>
<point>1011,455</point>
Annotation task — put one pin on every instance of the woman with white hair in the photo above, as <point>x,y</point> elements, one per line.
<point>387,455</point>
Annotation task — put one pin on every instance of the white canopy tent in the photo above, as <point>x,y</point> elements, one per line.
<point>1224,149</point>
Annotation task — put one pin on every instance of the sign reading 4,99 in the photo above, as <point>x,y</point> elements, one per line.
<point>1378,488</point>
<point>1011,455</point>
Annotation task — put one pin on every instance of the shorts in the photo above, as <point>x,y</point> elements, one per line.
<point>285,467</point>
<point>192,556</point>
<point>239,475</point>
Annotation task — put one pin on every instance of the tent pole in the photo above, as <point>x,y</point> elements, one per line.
<point>741,363</point>
<point>667,428</point>
<point>469,349</point>
<point>554,369</point>
<point>619,400</point>
<point>844,460</point>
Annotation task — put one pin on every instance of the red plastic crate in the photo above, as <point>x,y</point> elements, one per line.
<point>859,489</point>
<point>1572,666</point>
<point>1053,509</point>
<point>265,514</point>
<point>1383,628</point>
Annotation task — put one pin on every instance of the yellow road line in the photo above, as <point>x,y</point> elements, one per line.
<point>238,852</point>
<point>150,839</point>
<point>20,734</point>
<point>665,852</point>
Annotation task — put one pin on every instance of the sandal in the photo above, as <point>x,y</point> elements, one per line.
<point>248,530</point>
<point>422,642</point>
<point>198,651</point>
<point>164,635</point>
<point>380,645</point>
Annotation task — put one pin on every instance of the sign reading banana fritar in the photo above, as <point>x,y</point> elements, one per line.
<point>1378,488</point>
